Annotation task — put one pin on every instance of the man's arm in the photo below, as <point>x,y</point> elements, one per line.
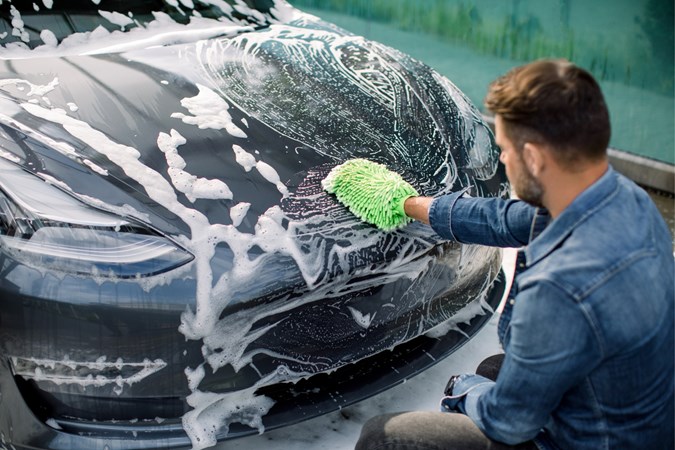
<point>474,220</point>
<point>552,349</point>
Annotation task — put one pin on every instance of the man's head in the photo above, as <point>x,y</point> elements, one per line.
<point>548,106</point>
<point>556,103</point>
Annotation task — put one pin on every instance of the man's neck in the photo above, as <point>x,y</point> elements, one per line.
<point>562,187</point>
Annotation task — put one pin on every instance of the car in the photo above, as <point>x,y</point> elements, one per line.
<point>172,273</point>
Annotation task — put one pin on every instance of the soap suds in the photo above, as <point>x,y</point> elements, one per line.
<point>193,187</point>
<point>238,212</point>
<point>97,373</point>
<point>49,38</point>
<point>213,413</point>
<point>244,158</point>
<point>18,24</point>
<point>209,110</point>
<point>272,176</point>
<point>363,320</point>
<point>116,18</point>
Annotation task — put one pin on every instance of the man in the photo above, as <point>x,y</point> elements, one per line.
<point>587,329</point>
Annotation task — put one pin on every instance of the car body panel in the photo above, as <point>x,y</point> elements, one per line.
<point>220,145</point>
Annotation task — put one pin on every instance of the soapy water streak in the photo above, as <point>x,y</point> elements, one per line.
<point>259,72</point>
<point>205,237</point>
<point>86,373</point>
<point>226,340</point>
<point>160,31</point>
<point>287,62</point>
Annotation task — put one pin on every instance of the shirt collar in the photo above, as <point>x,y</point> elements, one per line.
<point>581,208</point>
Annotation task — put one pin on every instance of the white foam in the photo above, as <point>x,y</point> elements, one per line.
<point>18,24</point>
<point>116,18</point>
<point>238,212</point>
<point>192,186</point>
<point>9,156</point>
<point>95,167</point>
<point>87,373</point>
<point>209,110</point>
<point>244,158</point>
<point>39,90</point>
<point>53,423</point>
<point>248,162</point>
<point>272,176</point>
<point>363,320</point>
<point>161,31</point>
<point>195,376</point>
<point>213,413</point>
<point>49,38</point>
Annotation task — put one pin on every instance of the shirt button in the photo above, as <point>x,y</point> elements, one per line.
<point>512,301</point>
<point>521,265</point>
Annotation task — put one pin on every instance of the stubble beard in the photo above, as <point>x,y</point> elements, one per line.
<point>528,188</point>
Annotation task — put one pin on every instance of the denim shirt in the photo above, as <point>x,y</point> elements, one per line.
<point>587,328</point>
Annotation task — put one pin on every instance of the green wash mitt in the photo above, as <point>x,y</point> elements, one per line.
<point>372,192</point>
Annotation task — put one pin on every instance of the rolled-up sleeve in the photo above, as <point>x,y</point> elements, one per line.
<point>476,220</point>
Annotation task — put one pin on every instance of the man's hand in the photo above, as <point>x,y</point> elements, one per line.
<point>418,208</point>
<point>371,191</point>
<point>448,402</point>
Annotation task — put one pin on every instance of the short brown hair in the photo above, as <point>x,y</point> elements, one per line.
<point>556,103</point>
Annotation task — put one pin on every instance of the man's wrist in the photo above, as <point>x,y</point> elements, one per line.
<point>418,208</point>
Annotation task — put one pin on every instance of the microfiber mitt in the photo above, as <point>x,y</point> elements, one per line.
<point>372,192</point>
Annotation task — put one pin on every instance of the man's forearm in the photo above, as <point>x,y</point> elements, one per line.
<point>418,208</point>
<point>491,221</point>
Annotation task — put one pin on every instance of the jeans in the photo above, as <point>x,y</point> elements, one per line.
<point>429,430</point>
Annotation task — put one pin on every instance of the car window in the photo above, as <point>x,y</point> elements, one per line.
<point>23,22</point>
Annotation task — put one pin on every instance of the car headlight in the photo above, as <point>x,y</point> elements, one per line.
<point>44,227</point>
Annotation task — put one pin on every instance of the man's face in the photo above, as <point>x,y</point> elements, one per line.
<point>523,182</point>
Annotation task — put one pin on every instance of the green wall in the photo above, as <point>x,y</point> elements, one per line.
<point>626,44</point>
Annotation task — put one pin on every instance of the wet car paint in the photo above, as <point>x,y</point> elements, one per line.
<point>220,146</point>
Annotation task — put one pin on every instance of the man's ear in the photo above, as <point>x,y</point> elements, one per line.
<point>534,156</point>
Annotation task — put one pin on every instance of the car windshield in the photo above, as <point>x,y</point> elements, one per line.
<point>29,24</point>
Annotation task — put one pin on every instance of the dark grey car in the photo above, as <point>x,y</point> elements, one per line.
<point>171,273</point>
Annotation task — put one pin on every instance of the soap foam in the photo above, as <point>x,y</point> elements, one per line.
<point>192,186</point>
<point>209,110</point>
<point>238,212</point>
